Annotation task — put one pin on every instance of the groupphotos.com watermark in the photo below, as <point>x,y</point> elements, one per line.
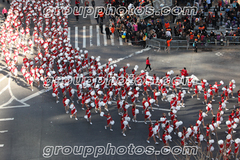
<point>109,149</point>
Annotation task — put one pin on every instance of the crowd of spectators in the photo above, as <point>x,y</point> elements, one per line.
<point>204,26</point>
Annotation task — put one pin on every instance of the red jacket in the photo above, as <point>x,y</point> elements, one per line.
<point>184,72</point>
<point>147,62</point>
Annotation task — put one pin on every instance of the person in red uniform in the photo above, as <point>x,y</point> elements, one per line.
<point>148,64</point>
<point>219,118</point>
<point>236,146</point>
<point>151,134</point>
<point>164,138</point>
<point>221,148</point>
<point>182,136</point>
<point>123,126</point>
<point>88,114</point>
<point>105,100</point>
<point>205,96</point>
<point>184,74</point>
<point>147,116</point>
<point>73,111</point>
<point>134,119</point>
<point>196,92</point>
<point>55,93</point>
<point>238,92</point>
<point>109,119</point>
<point>66,106</point>
<point>155,97</point>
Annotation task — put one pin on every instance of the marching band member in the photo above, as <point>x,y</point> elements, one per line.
<point>209,108</point>
<point>236,150</point>
<point>88,115</point>
<point>73,111</point>
<point>134,113</point>
<point>147,116</point>
<point>151,134</point>
<point>109,121</point>
<point>196,92</point>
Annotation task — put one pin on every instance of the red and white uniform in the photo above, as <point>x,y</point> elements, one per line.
<point>146,114</point>
<point>150,134</point>
<point>88,112</point>
<point>109,119</point>
<point>182,139</point>
<point>73,109</point>
<point>236,145</point>
<point>239,97</point>
<point>209,107</point>
<point>190,83</point>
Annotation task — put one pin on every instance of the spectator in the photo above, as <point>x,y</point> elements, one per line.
<point>195,45</point>
<point>93,3</point>
<point>107,30</point>
<point>168,45</point>
<point>76,13</point>
<point>101,27</point>
<point>77,3</point>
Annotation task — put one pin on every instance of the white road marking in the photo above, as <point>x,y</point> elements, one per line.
<point>4,131</point>
<point>146,121</point>
<point>138,52</point>
<point>6,119</point>
<point>76,37</point>
<point>161,109</point>
<point>91,34</point>
<point>120,59</point>
<point>218,54</point>
<point>120,41</point>
<point>98,36</point>
<point>12,98</point>
<point>4,76</point>
<point>84,36</point>
<point>33,95</point>
<point>112,39</point>
<point>1,145</point>
<point>104,36</point>
<point>149,121</point>
<point>5,88</point>
<point>69,34</point>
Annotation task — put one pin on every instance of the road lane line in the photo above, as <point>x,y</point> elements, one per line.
<point>33,95</point>
<point>91,34</point>
<point>98,36</point>
<point>5,88</point>
<point>76,37</point>
<point>6,119</point>
<point>69,35</point>
<point>84,36</point>
<point>120,41</point>
<point>112,39</point>
<point>4,131</point>
<point>104,36</point>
